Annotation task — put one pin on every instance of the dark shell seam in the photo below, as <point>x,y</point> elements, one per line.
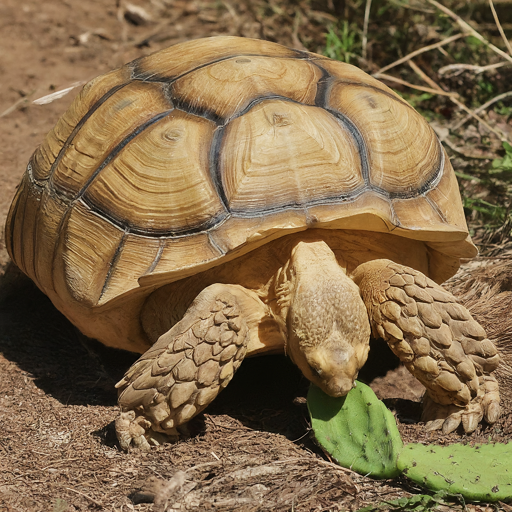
<point>139,75</point>
<point>112,265</point>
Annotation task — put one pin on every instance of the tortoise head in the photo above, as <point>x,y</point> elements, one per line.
<point>327,322</point>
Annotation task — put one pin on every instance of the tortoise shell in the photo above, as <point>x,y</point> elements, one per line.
<point>196,154</point>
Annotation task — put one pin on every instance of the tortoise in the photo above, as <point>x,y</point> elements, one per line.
<point>227,197</point>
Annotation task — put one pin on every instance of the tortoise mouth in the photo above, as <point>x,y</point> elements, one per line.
<point>337,387</point>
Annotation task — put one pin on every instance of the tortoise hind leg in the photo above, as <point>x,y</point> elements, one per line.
<point>187,367</point>
<point>437,340</point>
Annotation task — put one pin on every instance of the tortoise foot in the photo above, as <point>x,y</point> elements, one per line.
<point>438,341</point>
<point>448,417</point>
<point>134,431</point>
<point>184,370</point>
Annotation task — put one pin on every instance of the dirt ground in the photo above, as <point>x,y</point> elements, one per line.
<point>251,450</point>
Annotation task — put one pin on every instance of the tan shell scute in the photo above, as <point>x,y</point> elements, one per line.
<point>201,152</point>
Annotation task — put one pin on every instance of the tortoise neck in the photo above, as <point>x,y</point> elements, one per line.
<point>325,320</point>
<point>311,267</point>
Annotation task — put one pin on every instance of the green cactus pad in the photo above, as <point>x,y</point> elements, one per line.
<point>480,473</point>
<point>357,430</point>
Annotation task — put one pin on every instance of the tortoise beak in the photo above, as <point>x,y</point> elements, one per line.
<point>337,386</point>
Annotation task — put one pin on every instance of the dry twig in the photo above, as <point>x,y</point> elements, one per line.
<point>468,28</point>
<point>481,108</point>
<point>461,151</point>
<point>389,78</point>
<point>500,28</point>
<point>461,105</point>
<point>365,27</point>
<point>92,500</point>
<point>420,51</point>
<point>459,68</point>
<point>17,104</point>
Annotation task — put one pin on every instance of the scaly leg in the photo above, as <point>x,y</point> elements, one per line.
<point>187,367</point>
<point>437,340</point>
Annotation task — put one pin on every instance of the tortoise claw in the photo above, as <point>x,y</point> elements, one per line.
<point>448,417</point>
<point>134,431</point>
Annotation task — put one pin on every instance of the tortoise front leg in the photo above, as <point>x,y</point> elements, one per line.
<point>187,367</point>
<point>437,340</point>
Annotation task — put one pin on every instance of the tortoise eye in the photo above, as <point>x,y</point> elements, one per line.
<point>316,371</point>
